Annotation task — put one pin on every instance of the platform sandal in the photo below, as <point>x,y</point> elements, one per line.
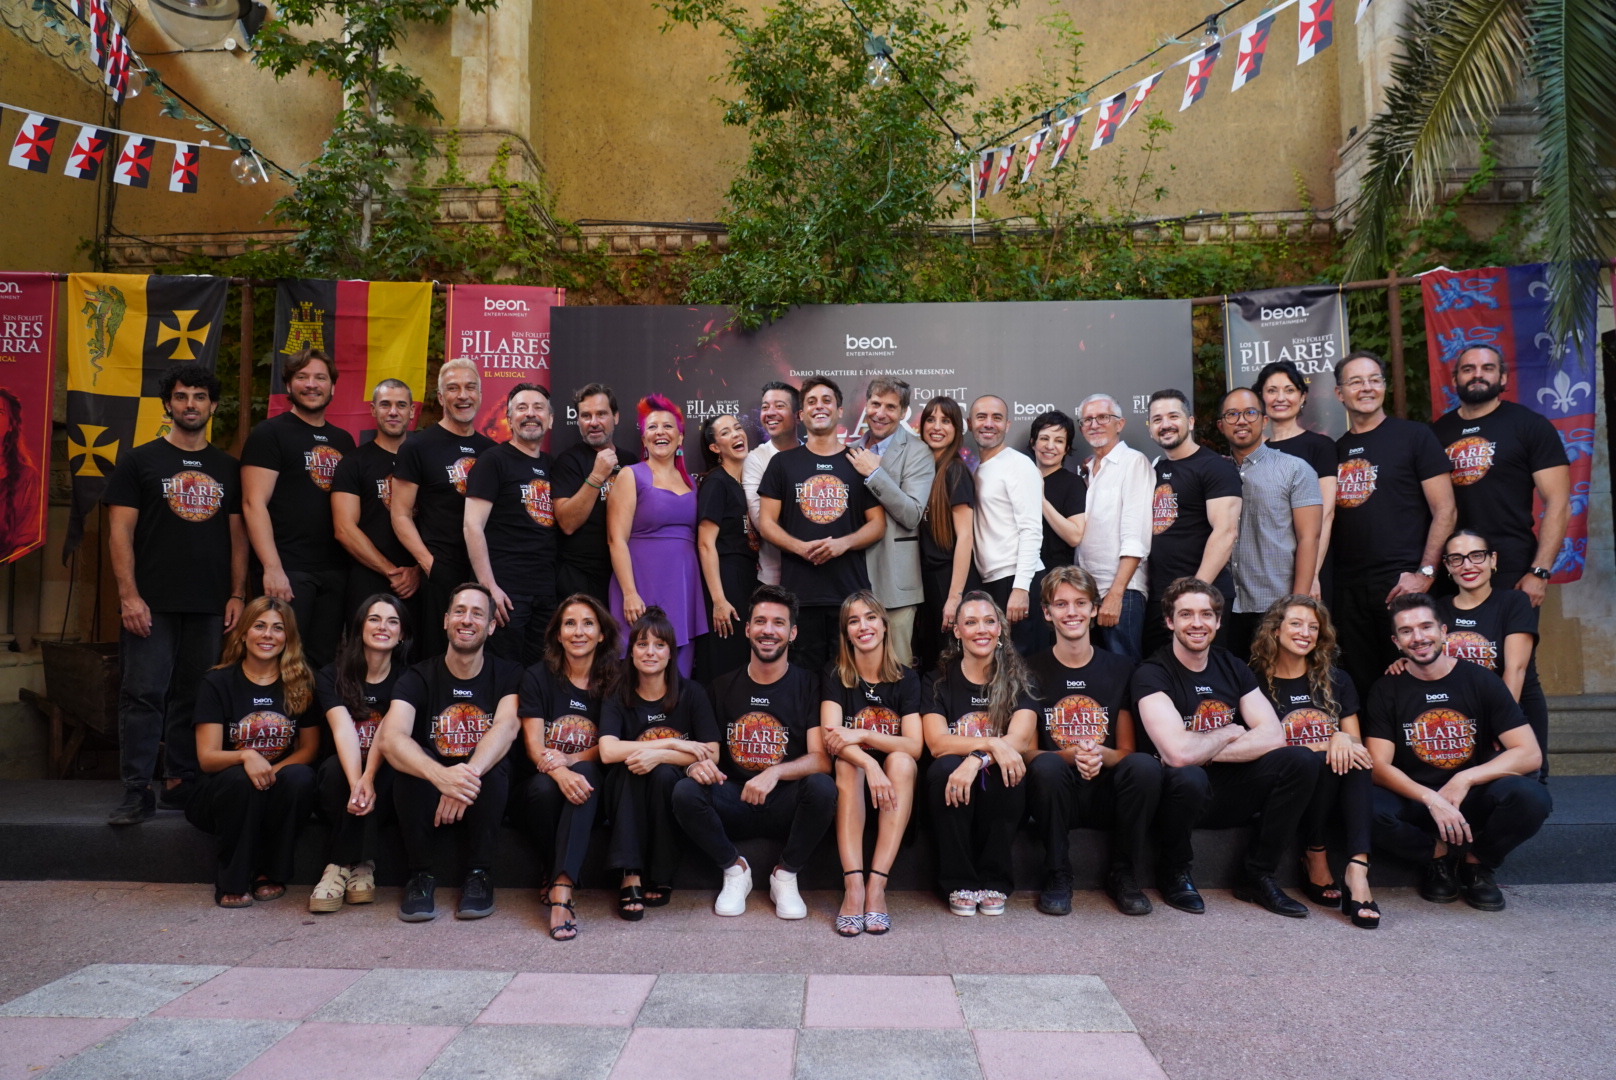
<point>570,925</point>
<point>1315,892</point>
<point>1357,910</point>
<point>627,895</point>
<point>877,922</point>
<point>658,895</point>
<point>850,925</point>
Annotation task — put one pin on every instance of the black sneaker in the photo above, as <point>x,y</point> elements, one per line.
<point>1179,891</point>
<point>1438,885</point>
<point>476,897</point>
<point>139,804</point>
<point>1124,891</point>
<point>1265,892</point>
<point>419,903</point>
<point>1478,888</point>
<point>176,797</point>
<point>1056,899</point>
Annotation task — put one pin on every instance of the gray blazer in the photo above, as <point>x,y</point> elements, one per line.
<point>901,485</point>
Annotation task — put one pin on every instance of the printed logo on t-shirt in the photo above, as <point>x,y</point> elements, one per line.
<point>320,462</point>
<point>756,741</point>
<point>266,731</point>
<point>384,490</point>
<point>457,729</point>
<point>1210,715</point>
<point>1474,647</point>
<point>877,718</point>
<point>1076,717</point>
<point>661,731</point>
<point>536,501</point>
<point>1164,509</point>
<point>193,495</point>
<point>459,471</point>
<point>367,729</point>
<point>753,540</point>
<point>570,734</point>
<point>1441,738</point>
<point>1471,459</point>
<point>1304,726</point>
<point>973,725</point>
<point>822,499</point>
<point>1355,481</point>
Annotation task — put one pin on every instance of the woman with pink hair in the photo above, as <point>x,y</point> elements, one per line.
<point>651,531</point>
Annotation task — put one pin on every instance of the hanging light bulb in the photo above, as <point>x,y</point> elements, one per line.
<point>247,170</point>
<point>137,82</point>
<point>1209,36</point>
<point>878,72</point>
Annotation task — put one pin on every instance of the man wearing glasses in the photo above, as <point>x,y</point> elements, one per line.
<point>1117,537</point>
<point>1281,514</point>
<point>1394,511</point>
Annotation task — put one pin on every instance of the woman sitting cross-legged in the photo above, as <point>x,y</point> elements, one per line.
<point>870,712</point>
<point>654,726</point>
<point>979,720</point>
<point>256,734</point>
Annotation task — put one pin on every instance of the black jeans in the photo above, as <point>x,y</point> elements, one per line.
<point>1122,799</point>
<point>819,628</point>
<point>930,639</point>
<point>157,694</point>
<point>353,837</point>
<point>1363,630</point>
<point>522,637</point>
<point>577,579</point>
<point>256,830</point>
<point>416,802</point>
<point>318,602</point>
<point>1024,635</point>
<point>558,827</point>
<point>645,835</point>
<point>796,811</point>
<point>1274,790</point>
<point>1352,792</point>
<point>974,840</point>
<point>1536,708</point>
<point>1503,815</point>
<point>447,574</point>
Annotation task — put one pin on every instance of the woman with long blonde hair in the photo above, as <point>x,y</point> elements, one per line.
<point>256,737</point>
<point>946,536</point>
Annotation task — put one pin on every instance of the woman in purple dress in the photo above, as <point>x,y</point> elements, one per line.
<point>651,530</point>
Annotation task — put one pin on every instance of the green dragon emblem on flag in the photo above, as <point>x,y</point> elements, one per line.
<point>105,308</point>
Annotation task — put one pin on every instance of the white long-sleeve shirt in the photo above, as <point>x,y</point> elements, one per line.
<point>1009,526</point>
<point>757,460</point>
<point>1121,487</point>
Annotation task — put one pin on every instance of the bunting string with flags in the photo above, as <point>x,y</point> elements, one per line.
<point>1141,90</point>
<point>1200,74</point>
<point>1006,160</point>
<point>35,141</point>
<point>34,145</point>
<point>1068,128</point>
<point>1035,143</point>
<point>1315,28</point>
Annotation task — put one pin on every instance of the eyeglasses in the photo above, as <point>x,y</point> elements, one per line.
<point>1373,382</point>
<point>1459,558</point>
<point>1098,421</point>
<point>1240,414</point>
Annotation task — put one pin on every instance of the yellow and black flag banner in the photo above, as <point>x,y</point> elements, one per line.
<point>123,332</point>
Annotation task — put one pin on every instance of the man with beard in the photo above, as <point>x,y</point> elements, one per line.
<point>777,416</point>
<point>361,490</point>
<point>287,466</point>
<point>429,492</point>
<point>1008,531</point>
<point>452,719</point>
<point>1116,536</point>
<point>179,554</point>
<point>1455,764</point>
<point>772,778</point>
<point>582,480</point>
<point>1501,452</point>
<point>510,527</point>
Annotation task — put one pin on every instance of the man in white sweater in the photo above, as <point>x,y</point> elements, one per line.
<point>1009,529</point>
<point>777,416</point>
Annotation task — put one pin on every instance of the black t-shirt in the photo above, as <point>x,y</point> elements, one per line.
<point>1179,525</point>
<point>254,717</point>
<point>306,458</point>
<point>820,498</point>
<point>586,548</point>
<point>690,718</point>
<point>1080,703</point>
<point>1444,725</point>
<point>1313,447</point>
<point>571,716</point>
<point>961,492</point>
<point>1067,493</point>
<point>377,697</point>
<point>521,530</point>
<point>1381,516</point>
<point>1306,717</point>
<point>722,500</point>
<point>763,724</point>
<point>1493,459</point>
<point>1478,635</point>
<point>368,474</point>
<point>452,715</point>
<point>962,703</point>
<point>184,500</point>
<point>438,462</point>
<point>878,707</point>
<point>1205,700</point>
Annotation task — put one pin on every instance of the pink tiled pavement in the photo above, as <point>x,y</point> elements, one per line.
<point>705,1053</point>
<point>595,1000</point>
<point>249,993</point>
<point>882,1001</point>
<point>31,1044</point>
<point>390,1051</point>
<point>1065,1055</point>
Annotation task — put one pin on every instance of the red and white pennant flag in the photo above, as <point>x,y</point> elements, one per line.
<point>1068,128</point>
<point>1253,45</point>
<point>1035,143</point>
<point>984,173</point>
<point>89,150</point>
<point>1007,159</point>
<point>35,140</point>
<point>1141,90</point>
<point>1315,21</point>
<point>1200,73</point>
<point>182,177</point>
<point>1108,120</point>
<point>134,164</point>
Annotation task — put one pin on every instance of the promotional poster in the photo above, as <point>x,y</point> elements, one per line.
<point>27,381</point>
<point>506,330</point>
<point>1307,326</point>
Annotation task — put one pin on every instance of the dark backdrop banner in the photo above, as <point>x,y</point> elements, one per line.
<point>1035,355</point>
<point>1307,326</point>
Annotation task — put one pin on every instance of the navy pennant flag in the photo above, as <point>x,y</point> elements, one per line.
<point>1200,73</point>
<point>1315,20</point>
<point>1108,120</point>
<point>1253,44</point>
<point>89,150</point>
<point>182,177</point>
<point>35,140</point>
<point>134,164</point>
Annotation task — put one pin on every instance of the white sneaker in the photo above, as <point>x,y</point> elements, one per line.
<point>787,900</point>
<point>732,897</point>
<point>327,895</point>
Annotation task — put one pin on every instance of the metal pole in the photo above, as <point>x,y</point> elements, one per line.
<point>1394,301</point>
<point>244,370</point>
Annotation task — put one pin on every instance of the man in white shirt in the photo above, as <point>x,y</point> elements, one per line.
<point>777,415</point>
<point>1009,529</point>
<point>1116,541</point>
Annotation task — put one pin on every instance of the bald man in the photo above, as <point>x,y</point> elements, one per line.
<point>1009,529</point>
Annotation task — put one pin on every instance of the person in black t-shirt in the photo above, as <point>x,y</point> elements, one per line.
<point>770,779</point>
<point>560,709</point>
<point>947,531</point>
<point>1195,515</point>
<point>652,727</point>
<point>1455,764</point>
<point>1284,390</point>
<point>816,508</point>
<point>1394,508</point>
<point>287,465</point>
<point>1049,445</point>
<point>1317,705</point>
<point>179,554</point>
<point>583,479</point>
<point>356,786</point>
<point>452,720</point>
<point>361,492</point>
<point>1223,754</point>
<point>726,545</point>
<point>869,709</point>
<point>1503,453</point>
<point>510,528</point>
<point>1084,770</point>
<point>429,493</point>
<point>256,735</point>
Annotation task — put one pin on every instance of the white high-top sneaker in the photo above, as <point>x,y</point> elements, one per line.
<point>787,900</point>
<point>732,897</point>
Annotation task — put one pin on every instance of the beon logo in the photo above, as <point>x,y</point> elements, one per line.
<point>866,343</point>
<point>491,304</point>
<point>1269,314</point>
<point>761,701</point>
<point>16,287</point>
<point>1032,410</point>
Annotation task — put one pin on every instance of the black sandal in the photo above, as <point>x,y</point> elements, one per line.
<point>850,925</point>
<point>1315,892</point>
<point>1355,909</point>
<point>631,894</point>
<point>876,923</point>
<point>564,927</point>
<point>658,895</point>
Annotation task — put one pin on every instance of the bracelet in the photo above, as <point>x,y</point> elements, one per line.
<point>243,599</point>
<point>593,484</point>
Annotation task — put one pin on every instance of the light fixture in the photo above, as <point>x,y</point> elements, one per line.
<point>136,83</point>
<point>878,72</point>
<point>199,24</point>
<point>1212,33</point>
<point>247,169</point>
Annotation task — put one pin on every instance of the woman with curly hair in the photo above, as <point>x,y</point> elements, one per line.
<point>256,735</point>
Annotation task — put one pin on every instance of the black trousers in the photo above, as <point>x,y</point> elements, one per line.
<point>929,638</point>
<point>1122,800</point>
<point>1352,794</point>
<point>1536,708</point>
<point>715,655</point>
<point>157,694</point>
<point>819,628</point>
<point>796,811</point>
<point>1242,627</point>
<point>521,639</point>
<point>1363,630</point>
<point>416,802</point>
<point>577,579</point>
<point>256,830</point>
<point>1024,635</point>
<point>974,840</point>
<point>645,834</point>
<point>317,602</point>
<point>559,828</point>
<point>1503,815</point>
<point>353,837</point>
<point>447,573</point>
<point>1274,790</point>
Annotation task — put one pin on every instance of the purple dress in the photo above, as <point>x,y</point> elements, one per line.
<point>662,548</point>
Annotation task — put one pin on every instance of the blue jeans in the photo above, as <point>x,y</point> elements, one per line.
<point>157,694</point>
<point>1125,637</point>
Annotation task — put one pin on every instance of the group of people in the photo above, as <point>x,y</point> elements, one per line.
<point>452,632</point>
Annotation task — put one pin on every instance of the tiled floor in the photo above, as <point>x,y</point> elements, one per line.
<point>196,1022</point>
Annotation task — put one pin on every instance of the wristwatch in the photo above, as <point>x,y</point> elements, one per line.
<point>1428,571</point>
<point>983,756</point>
<point>1540,572</point>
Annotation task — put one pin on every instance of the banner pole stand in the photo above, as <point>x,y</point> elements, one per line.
<point>244,370</point>
<point>1394,302</point>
